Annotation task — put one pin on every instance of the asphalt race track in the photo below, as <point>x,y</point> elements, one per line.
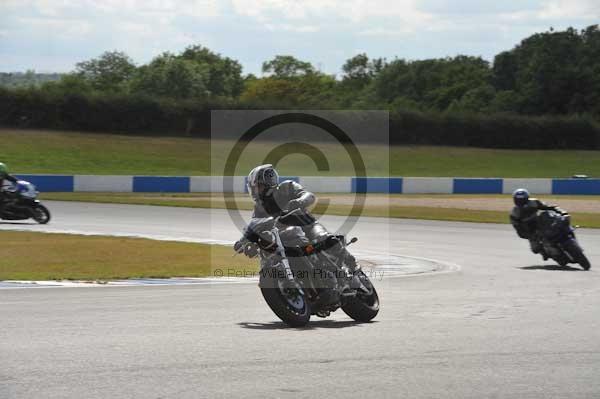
<point>505,325</point>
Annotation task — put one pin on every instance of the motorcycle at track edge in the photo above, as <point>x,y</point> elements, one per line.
<point>22,203</point>
<point>557,238</point>
<point>299,278</point>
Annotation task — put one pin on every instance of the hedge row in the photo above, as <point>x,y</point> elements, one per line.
<point>107,113</point>
<point>34,108</point>
<point>495,131</point>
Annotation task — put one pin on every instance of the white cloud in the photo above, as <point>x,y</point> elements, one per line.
<point>291,28</point>
<point>63,28</point>
<point>380,31</point>
<point>254,30</point>
<point>353,17</point>
<point>351,10</point>
<point>582,9</point>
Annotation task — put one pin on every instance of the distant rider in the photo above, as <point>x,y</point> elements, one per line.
<point>524,218</point>
<point>4,179</point>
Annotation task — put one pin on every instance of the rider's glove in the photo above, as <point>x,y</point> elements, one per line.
<point>239,246</point>
<point>250,250</point>
<point>244,246</point>
<point>293,204</point>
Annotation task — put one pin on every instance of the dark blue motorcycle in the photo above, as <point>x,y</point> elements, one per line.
<point>22,204</point>
<point>557,237</point>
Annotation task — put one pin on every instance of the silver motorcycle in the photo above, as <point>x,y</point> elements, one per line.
<point>300,277</point>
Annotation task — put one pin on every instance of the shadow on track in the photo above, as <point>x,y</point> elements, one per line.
<point>279,325</point>
<point>17,223</point>
<point>556,268</point>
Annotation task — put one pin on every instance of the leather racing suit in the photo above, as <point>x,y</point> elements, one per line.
<point>524,220</point>
<point>4,195</point>
<point>287,196</point>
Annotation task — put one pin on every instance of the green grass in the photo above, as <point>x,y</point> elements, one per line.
<point>199,200</point>
<point>39,256</point>
<point>37,151</point>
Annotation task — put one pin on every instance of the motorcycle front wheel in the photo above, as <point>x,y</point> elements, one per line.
<point>40,214</point>
<point>285,299</point>
<point>364,306</point>
<point>573,248</point>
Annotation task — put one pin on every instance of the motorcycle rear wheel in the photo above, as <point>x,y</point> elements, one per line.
<point>363,307</point>
<point>40,214</point>
<point>288,303</point>
<point>573,248</point>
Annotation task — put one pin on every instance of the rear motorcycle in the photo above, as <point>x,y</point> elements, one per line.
<point>22,204</point>
<point>300,278</point>
<point>557,237</point>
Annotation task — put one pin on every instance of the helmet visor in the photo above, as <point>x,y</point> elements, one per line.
<point>521,200</point>
<point>269,178</point>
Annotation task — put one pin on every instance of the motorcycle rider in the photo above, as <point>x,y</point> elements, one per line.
<point>272,198</point>
<point>524,218</point>
<point>4,178</point>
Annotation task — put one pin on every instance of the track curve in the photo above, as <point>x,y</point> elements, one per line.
<point>506,325</point>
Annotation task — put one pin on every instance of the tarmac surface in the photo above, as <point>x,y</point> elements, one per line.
<point>504,324</point>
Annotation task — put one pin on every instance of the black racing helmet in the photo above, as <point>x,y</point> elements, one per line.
<point>521,197</point>
<point>262,180</point>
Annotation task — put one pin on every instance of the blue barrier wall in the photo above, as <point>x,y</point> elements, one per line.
<point>159,184</point>
<point>392,185</point>
<point>50,183</point>
<point>576,186</point>
<point>477,186</point>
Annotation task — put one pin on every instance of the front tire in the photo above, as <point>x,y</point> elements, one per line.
<point>40,214</point>
<point>363,307</point>
<point>576,252</point>
<point>286,301</point>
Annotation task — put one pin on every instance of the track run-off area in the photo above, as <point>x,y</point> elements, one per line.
<point>501,324</point>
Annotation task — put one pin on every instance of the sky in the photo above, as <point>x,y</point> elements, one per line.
<point>53,35</point>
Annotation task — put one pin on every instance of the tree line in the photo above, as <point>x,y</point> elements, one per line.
<point>26,79</point>
<point>547,86</point>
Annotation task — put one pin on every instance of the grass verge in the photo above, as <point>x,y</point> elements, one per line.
<point>43,151</point>
<point>40,256</point>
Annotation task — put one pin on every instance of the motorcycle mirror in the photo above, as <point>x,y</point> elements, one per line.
<point>353,240</point>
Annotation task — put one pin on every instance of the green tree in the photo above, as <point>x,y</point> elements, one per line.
<point>433,84</point>
<point>360,70</point>
<point>171,76</point>
<point>475,100</point>
<point>269,91</point>
<point>506,101</point>
<point>504,71</point>
<point>315,90</point>
<point>69,83</point>
<point>554,72</point>
<point>286,66</point>
<point>109,72</point>
<point>224,74</point>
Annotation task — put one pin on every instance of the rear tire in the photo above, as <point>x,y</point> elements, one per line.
<point>289,304</point>
<point>363,307</point>
<point>40,214</point>
<point>573,248</point>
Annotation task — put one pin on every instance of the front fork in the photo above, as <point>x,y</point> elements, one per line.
<point>285,262</point>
